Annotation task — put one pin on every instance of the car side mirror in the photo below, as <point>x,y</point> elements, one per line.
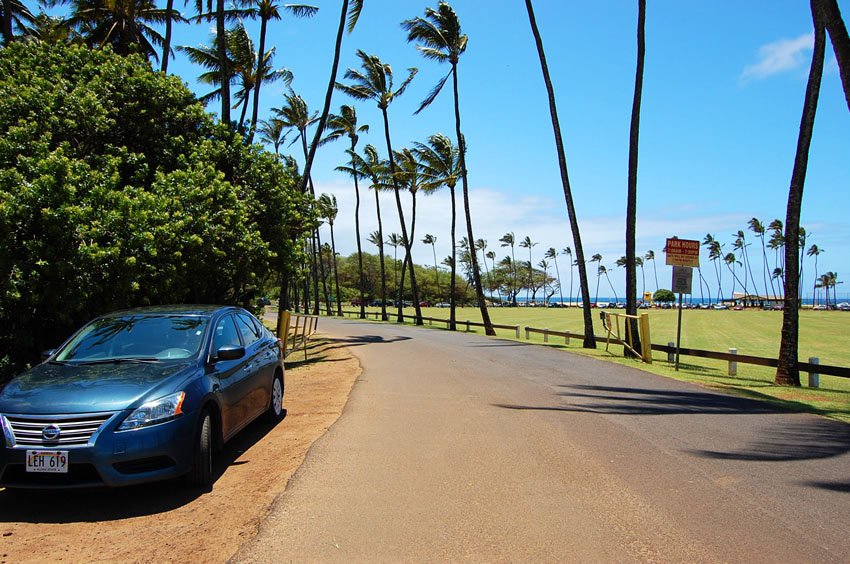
<point>47,354</point>
<point>229,352</point>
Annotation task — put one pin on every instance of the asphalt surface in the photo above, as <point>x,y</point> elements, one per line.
<point>459,447</point>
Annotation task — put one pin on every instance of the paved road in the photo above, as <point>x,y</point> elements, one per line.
<point>458,447</point>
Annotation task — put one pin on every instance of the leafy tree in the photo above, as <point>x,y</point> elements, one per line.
<point>664,296</point>
<point>139,199</point>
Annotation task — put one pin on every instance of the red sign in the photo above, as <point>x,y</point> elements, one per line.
<point>682,252</point>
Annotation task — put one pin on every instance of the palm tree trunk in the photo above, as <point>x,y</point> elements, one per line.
<point>631,205</point>
<point>476,271</point>
<point>384,316</point>
<point>436,272</point>
<point>255,112</point>
<point>223,62</point>
<point>8,37</point>
<point>336,274</point>
<point>405,239</point>
<point>308,165</point>
<point>589,338</point>
<point>359,248</point>
<point>166,44</point>
<point>840,43</point>
<point>787,372</point>
<point>453,282</point>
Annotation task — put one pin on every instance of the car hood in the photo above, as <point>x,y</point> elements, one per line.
<point>58,389</point>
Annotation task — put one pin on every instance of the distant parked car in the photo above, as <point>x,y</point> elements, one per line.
<point>264,301</point>
<point>139,395</point>
<point>844,306</point>
<point>720,306</point>
<point>424,303</point>
<point>443,304</point>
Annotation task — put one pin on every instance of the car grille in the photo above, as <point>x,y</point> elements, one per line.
<point>74,430</point>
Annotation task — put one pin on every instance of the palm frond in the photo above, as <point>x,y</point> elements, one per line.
<point>433,94</point>
<point>354,9</point>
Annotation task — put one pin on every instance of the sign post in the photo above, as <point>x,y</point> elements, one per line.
<point>682,255</point>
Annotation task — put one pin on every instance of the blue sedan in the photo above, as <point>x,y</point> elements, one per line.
<point>140,395</point>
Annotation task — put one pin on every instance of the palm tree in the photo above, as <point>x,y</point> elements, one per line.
<point>604,270</point>
<point>569,252</point>
<point>330,209</point>
<point>394,241</point>
<point>757,227</point>
<point>508,240</point>
<point>777,243</point>
<point>441,40</point>
<point>272,132</point>
<point>492,256</point>
<point>589,338</point>
<point>597,258</point>
<point>650,255</point>
<point>14,13</point>
<point>371,167</point>
<point>269,10</point>
<point>528,244</point>
<point>409,177</point>
<point>552,254</point>
<point>375,83</point>
<point>631,199</point>
<point>740,244</point>
<point>349,14</point>
<point>815,251</point>
<point>481,245</point>
<point>731,260</point>
<point>294,114</point>
<point>432,240</point>
<point>126,26</point>
<point>639,262</point>
<point>544,264</point>
<point>440,164</point>
<point>787,370</point>
<point>345,125</point>
<point>375,239</point>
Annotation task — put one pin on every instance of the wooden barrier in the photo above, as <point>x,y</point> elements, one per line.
<point>295,329</point>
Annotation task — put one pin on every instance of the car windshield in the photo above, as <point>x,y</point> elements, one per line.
<point>136,338</point>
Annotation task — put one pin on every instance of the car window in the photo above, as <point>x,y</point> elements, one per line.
<point>250,332</point>
<point>225,334</point>
<point>157,336</point>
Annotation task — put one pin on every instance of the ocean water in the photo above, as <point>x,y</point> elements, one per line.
<point>688,299</point>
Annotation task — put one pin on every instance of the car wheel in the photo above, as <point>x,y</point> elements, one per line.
<point>276,412</point>
<point>201,473</point>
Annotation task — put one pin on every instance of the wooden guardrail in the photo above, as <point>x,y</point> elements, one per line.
<point>295,329</point>
<point>813,368</point>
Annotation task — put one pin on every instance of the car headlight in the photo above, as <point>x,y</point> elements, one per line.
<point>153,412</point>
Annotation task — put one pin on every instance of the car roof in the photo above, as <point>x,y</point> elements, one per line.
<point>199,310</point>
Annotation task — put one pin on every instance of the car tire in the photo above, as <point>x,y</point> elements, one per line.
<point>275,412</point>
<point>201,473</point>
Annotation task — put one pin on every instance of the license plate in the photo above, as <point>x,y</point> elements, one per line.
<point>55,461</point>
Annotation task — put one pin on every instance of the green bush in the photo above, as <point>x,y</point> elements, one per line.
<point>118,190</point>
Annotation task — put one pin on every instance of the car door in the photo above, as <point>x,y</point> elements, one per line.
<point>234,376</point>
<point>262,371</point>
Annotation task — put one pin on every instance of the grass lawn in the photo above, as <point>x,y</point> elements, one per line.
<point>752,332</point>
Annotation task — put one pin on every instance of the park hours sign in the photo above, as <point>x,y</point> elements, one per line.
<point>682,252</point>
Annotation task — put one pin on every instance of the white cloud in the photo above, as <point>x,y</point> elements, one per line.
<point>780,56</point>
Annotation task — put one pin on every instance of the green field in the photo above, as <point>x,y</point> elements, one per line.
<point>823,334</point>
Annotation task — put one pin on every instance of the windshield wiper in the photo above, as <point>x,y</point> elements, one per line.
<point>136,360</point>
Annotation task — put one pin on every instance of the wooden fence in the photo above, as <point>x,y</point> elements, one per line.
<point>813,367</point>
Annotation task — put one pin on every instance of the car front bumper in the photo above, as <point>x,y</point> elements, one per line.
<point>111,458</point>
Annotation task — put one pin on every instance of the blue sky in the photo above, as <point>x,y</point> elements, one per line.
<point>723,90</point>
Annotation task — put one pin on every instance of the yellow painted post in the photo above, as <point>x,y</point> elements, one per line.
<point>645,342</point>
<point>283,329</point>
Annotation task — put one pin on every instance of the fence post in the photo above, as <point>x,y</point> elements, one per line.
<point>733,364</point>
<point>814,377</point>
<point>467,326</point>
<point>671,355</point>
<point>566,337</point>
<point>526,333</point>
<point>517,331</point>
<point>546,335</point>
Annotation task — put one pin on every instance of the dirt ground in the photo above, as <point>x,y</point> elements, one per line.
<point>166,522</point>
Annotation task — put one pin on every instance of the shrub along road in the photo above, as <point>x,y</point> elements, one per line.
<point>454,446</point>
